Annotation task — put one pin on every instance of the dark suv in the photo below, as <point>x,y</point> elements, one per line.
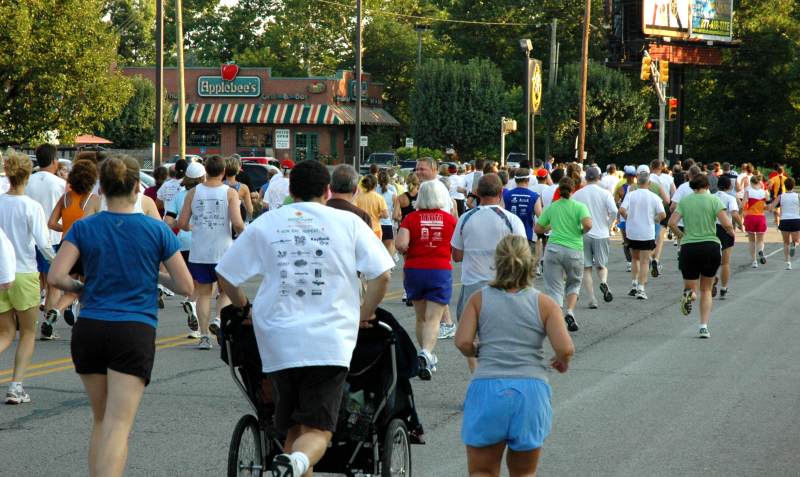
<point>383,160</point>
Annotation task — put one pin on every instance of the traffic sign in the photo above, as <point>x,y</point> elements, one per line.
<point>364,141</point>
<point>536,87</point>
<point>281,139</point>
<point>409,142</point>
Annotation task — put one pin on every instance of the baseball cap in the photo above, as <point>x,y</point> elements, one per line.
<point>181,165</point>
<point>287,164</point>
<point>195,170</point>
<point>541,173</point>
<point>643,168</point>
<point>630,171</point>
<point>592,173</point>
<point>522,173</point>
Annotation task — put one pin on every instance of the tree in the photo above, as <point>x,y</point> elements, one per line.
<point>615,113</point>
<point>134,21</point>
<point>56,69</point>
<point>458,104</point>
<point>134,127</point>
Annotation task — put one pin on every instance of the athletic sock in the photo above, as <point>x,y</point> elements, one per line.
<point>570,312</point>
<point>301,460</point>
<point>703,327</point>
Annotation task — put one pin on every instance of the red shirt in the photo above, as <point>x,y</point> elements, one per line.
<point>429,247</point>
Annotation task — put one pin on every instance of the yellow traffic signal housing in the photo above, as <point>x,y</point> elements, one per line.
<point>663,71</point>
<point>672,109</point>
<point>646,62</point>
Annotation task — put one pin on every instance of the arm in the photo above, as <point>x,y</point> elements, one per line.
<point>92,207</point>
<point>586,223</point>
<point>233,211</point>
<point>541,229</point>
<point>661,216</point>
<point>376,290</point>
<point>537,207</point>
<point>177,277</point>
<point>557,334</point>
<point>184,218</point>
<point>244,191</point>
<point>403,239</point>
<point>58,276</point>
<point>236,294</point>
<point>458,255</point>
<point>737,220</point>
<point>673,224</point>
<point>453,208</point>
<point>149,208</point>
<point>468,327</point>
<point>384,214</point>
<point>396,208</point>
<point>55,217</point>
<point>726,223</point>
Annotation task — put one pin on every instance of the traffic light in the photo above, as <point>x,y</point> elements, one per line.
<point>646,62</point>
<point>672,109</point>
<point>663,71</point>
<point>651,125</point>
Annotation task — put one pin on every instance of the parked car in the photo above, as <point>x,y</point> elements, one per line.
<point>265,160</point>
<point>383,160</point>
<point>146,179</point>
<point>189,158</point>
<point>254,175</point>
<point>514,158</point>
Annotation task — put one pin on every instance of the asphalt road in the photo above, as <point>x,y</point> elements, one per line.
<point>644,396</point>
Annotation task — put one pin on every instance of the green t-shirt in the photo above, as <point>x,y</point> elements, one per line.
<point>565,216</point>
<point>699,212</point>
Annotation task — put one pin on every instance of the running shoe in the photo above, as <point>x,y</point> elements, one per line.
<point>396,258</point>
<point>607,296</point>
<point>213,327</point>
<point>788,266</point>
<point>593,305</point>
<point>632,292</point>
<point>69,314</point>
<point>47,325</point>
<point>191,314</point>
<point>427,365</point>
<point>628,266</point>
<point>686,302</point>
<point>669,234</point>
<point>194,334</point>
<point>16,395</point>
<point>284,466</point>
<point>714,288</point>
<point>167,292</point>
<point>447,331</point>
<point>654,268</point>
<point>640,294</point>
<point>205,343</point>
<point>160,298</point>
<point>539,269</point>
<point>761,258</point>
<point>42,298</point>
<point>723,292</point>
<point>704,333</point>
<point>571,324</point>
<point>755,264</point>
<point>792,247</point>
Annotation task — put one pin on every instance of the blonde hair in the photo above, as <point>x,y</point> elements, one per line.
<point>18,167</point>
<point>513,263</point>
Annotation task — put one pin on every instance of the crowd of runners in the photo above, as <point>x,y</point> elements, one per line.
<point>90,246</point>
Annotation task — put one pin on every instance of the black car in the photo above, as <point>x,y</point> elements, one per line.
<point>383,160</point>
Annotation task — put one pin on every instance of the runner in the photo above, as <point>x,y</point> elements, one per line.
<point>321,319</point>
<point>476,237</point>
<point>167,192</point>
<point>407,201</point>
<point>458,186</point>
<point>700,255</point>
<point>372,203</point>
<point>278,189</point>
<point>344,185</point>
<point>596,242</point>
<point>666,189</point>
<point>389,194</point>
<point>508,400</point>
<point>23,221</point>
<point>113,341</point>
<point>523,203</point>
<point>754,204</point>
<point>682,191</point>
<point>424,237</point>
<point>628,184</point>
<point>209,211</point>
<point>790,220</point>
<point>726,195</point>
<point>233,166</point>
<point>195,174</point>
<point>568,221</point>
<point>776,187</point>
<point>642,210</point>
<point>160,175</point>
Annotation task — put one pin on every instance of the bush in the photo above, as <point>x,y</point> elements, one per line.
<point>410,153</point>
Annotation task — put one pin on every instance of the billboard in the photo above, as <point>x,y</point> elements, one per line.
<point>668,18</point>
<point>712,20</point>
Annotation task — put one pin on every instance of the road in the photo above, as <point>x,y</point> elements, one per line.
<point>644,396</point>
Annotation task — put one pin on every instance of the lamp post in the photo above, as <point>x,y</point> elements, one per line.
<point>357,141</point>
<point>526,46</point>
<point>159,126</point>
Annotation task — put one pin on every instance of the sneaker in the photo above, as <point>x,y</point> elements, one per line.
<point>539,269</point>
<point>205,343</point>
<point>396,258</point>
<point>191,314</point>
<point>284,466</point>
<point>167,291</point>
<point>788,266</point>
<point>761,258</point>
<point>593,305</point>
<point>633,290</point>
<point>686,302</point>
<point>714,288</point>
<point>704,333</point>
<point>213,327</point>
<point>160,298</point>
<point>628,266</point>
<point>427,365</point>
<point>792,247</point>
<point>607,296</point>
<point>42,297</point>
<point>47,325</point>
<point>723,292</point>
<point>654,269</point>
<point>669,234</point>
<point>406,300</point>
<point>755,264</point>
<point>17,395</point>
<point>640,294</point>
<point>194,334</point>
<point>69,315</point>
<point>571,324</point>
<point>447,331</point>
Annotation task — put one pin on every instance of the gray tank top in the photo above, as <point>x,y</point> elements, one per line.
<point>511,336</point>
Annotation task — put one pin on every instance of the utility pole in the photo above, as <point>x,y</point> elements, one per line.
<point>551,80</point>
<point>662,120</point>
<point>584,80</point>
<point>526,46</point>
<point>181,83</point>
<point>357,161</point>
<point>159,126</point>
<point>419,29</point>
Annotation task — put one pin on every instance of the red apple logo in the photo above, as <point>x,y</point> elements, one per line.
<point>229,71</point>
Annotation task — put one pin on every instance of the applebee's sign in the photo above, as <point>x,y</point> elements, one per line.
<point>229,84</point>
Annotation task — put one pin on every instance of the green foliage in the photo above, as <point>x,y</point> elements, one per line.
<point>615,113</point>
<point>56,62</point>
<point>134,127</point>
<point>411,154</point>
<point>457,104</point>
<point>134,21</point>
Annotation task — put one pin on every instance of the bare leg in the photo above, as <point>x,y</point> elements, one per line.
<point>760,242</point>
<point>602,274</point>
<point>446,317</point>
<point>705,299</point>
<point>485,461</point>
<point>27,340</point>
<point>8,329</point>
<point>751,243</point>
<point>428,329</point>
<point>203,291</point>
<point>523,464</point>
<point>122,403</point>
<point>786,238</point>
<point>659,243</point>
<point>725,267</point>
<point>588,284</point>
<point>635,265</point>
<point>222,302</point>
<point>642,267</point>
<point>96,388</point>
<point>570,301</point>
<point>310,441</point>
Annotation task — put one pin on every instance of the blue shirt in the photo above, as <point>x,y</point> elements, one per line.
<point>120,254</point>
<point>175,207</point>
<point>521,202</point>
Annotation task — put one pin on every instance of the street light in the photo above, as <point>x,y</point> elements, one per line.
<point>526,46</point>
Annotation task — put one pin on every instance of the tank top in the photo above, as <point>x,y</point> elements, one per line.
<point>756,202</point>
<point>211,225</point>
<point>511,335</point>
<point>412,202</point>
<point>387,195</point>
<point>790,206</point>
<point>74,211</point>
<point>137,207</point>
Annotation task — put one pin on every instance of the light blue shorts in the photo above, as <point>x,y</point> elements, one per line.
<point>514,411</point>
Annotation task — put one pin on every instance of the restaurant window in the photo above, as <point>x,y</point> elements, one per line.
<point>203,136</point>
<point>253,136</point>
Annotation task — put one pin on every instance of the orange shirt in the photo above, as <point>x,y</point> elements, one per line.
<point>74,211</point>
<point>372,203</point>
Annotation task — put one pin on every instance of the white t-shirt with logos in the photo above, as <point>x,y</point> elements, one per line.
<point>8,261</point>
<point>168,190</point>
<point>46,188</point>
<point>477,234</point>
<point>22,220</point>
<point>278,191</point>
<point>601,207</point>
<point>643,206</point>
<point>307,309</point>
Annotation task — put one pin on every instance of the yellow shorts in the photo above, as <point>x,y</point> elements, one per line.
<point>23,294</point>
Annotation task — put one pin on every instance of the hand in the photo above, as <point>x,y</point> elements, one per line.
<point>364,324</point>
<point>558,365</point>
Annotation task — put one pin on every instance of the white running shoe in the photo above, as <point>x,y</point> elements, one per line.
<point>205,343</point>
<point>640,294</point>
<point>628,266</point>
<point>284,466</point>
<point>195,335</point>
<point>704,333</point>
<point>446,331</point>
<point>16,395</point>
<point>788,265</point>
<point>755,264</point>
<point>213,327</point>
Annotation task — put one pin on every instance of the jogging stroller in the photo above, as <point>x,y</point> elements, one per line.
<point>377,419</point>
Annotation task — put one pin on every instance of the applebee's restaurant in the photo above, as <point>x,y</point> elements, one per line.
<point>249,112</point>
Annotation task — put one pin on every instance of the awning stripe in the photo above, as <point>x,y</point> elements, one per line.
<point>282,113</point>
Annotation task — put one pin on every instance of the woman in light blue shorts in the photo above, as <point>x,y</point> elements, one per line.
<point>508,400</point>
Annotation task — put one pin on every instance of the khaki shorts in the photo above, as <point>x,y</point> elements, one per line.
<point>23,294</point>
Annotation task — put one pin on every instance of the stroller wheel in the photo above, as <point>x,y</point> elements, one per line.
<point>244,455</point>
<point>396,455</point>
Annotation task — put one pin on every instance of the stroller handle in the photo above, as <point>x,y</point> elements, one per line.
<point>384,325</point>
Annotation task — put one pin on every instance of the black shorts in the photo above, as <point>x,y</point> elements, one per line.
<point>387,232</point>
<point>726,240</point>
<point>127,347</point>
<point>185,255</point>
<point>543,238</point>
<point>641,244</point>
<point>789,225</point>
<point>664,222</point>
<point>309,396</point>
<point>461,206</point>
<point>701,258</point>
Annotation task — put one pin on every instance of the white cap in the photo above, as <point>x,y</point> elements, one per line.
<point>630,170</point>
<point>195,170</point>
<point>643,168</point>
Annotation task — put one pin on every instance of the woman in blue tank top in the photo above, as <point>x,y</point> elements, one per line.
<point>508,400</point>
